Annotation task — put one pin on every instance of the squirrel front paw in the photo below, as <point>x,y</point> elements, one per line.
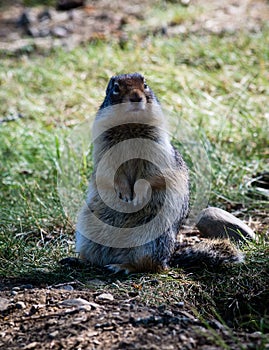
<point>123,190</point>
<point>140,195</point>
<point>142,192</point>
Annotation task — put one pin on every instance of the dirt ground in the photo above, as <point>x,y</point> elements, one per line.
<point>70,316</point>
<point>58,318</point>
<point>45,28</point>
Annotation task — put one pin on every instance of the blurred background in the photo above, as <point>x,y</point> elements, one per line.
<point>69,23</point>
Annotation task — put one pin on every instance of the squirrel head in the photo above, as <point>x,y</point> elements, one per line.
<point>128,88</point>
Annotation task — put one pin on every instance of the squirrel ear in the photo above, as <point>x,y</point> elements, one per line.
<point>110,85</point>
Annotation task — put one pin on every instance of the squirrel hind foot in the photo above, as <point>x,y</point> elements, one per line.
<point>119,268</point>
<point>146,264</point>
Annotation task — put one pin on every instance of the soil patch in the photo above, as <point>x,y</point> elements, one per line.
<point>25,30</point>
<point>58,318</point>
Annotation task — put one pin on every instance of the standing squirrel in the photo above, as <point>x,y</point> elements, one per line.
<point>138,195</point>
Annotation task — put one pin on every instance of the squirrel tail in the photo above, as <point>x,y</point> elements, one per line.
<point>210,253</point>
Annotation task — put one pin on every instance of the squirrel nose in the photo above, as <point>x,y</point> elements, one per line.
<point>135,97</point>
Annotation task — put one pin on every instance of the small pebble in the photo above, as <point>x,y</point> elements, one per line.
<point>67,287</point>
<point>59,32</point>
<point>78,302</point>
<point>154,282</point>
<point>180,304</point>
<point>44,15</point>
<point>32,31</point>
<point>168,313</point>
<point>20,305</point>
<point>105,296</point>
<point>27,286</point>
<point>33,309</point>
<point>162,307</point>
<point>32,345</point>
<point>44,32</point>
<point>4,304</point>
<point>96,282</point>
<point>24,20</point>
<point>185,2</point>
<point>53,334</point>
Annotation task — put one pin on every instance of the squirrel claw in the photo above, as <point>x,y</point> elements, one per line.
<point>118,268</point>
<point>123,192</point>
<point>126,199</point>
<point>139,199</point>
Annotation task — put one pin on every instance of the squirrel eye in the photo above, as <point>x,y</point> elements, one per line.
<point>145,86</point>
<point>116,89</point>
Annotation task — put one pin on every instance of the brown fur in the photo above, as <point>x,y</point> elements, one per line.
<point>208,252</point>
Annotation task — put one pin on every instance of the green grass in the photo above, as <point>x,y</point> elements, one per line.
<point>28,3</point>
<point>219,85</point>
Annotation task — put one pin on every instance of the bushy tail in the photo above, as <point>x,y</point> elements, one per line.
<point>209,253</point>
